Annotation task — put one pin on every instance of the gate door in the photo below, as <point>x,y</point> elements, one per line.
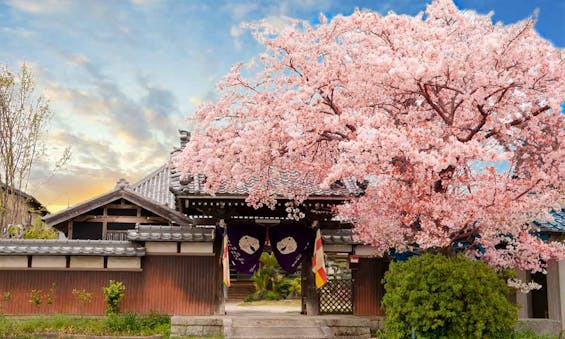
<point>336,296</point>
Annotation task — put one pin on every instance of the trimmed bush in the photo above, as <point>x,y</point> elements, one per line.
<point>439,297</point>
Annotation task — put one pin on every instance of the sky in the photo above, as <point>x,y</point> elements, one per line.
<point>123,76</point>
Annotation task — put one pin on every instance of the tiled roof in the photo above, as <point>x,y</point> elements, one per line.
<point>558,223</point>
<point>171,233</point>
<point>155,186</point>
<point>195,186</point>
<point>123,191</point>
<point>161,185</point>
<point>70,247</point>
<point>338,236</point>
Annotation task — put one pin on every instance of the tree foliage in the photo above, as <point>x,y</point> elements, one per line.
<point>39,230</point>
<point>440,297</point>
<point>450,123</point>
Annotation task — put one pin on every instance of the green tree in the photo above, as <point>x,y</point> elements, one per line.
<point>39,230</point>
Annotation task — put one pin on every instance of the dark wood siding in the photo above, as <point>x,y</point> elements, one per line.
<point>368,288</point>
<point>87,230</point>
<point>167,284</point>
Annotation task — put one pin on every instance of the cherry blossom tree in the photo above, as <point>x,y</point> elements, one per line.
<point>452,124</point>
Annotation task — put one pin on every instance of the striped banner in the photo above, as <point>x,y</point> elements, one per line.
<point>226,261</point>
<point>318,262</point>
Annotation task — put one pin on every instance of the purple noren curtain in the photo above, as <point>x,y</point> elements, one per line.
<point>290,244</point>
<point>246,244</point>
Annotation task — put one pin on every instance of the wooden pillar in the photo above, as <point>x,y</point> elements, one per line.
<point>219,298</point>
<point>553,292</point>
<point>105,223</point>
<point>310,296</point>
<point>70,234</point>
<point>561,271</point>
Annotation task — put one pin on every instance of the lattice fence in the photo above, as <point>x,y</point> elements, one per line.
<point>336,297</point>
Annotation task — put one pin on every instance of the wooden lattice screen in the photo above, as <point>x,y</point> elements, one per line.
<point>336,297</point>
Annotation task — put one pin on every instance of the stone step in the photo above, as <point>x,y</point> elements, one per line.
<point>271,326</point>
<point>273,332</point>
<point>258,322</point>
<point>274,323</point>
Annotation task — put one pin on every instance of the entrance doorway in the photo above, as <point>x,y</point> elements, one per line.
<point>540,306</point>
<point>270,290</point>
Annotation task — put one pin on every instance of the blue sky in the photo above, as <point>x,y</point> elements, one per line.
<point>123,76</point>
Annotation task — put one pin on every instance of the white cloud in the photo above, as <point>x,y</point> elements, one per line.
<point>239,11</point>
<point>18,31</point>
<point>236,30</point>
<point>142,2</point>
<point>278,23</point>
<point>42,6</point>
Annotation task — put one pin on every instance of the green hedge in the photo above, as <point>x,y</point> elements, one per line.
<point>439,297</point>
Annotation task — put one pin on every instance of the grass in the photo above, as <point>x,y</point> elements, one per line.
<point>288,302</point>
<point>531,335</point>
<point>123,324</point>
<point>380,334</point>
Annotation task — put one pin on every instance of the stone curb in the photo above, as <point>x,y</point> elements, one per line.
<point>87,336</point>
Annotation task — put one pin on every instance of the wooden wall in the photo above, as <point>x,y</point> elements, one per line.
<point>167,284</point>
<point>368,289</point>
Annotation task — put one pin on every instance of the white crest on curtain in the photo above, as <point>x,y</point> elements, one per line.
<point>287,245</point>
<point>249,244</point>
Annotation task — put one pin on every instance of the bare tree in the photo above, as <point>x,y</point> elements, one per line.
<point>23,119</point>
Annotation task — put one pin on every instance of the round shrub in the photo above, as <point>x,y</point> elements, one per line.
<point>436,296</point>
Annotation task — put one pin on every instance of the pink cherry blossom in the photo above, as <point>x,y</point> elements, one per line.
<point>454,122</point>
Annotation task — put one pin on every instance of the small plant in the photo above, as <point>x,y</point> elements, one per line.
<point>50,297</point>
<point>128,322</point>
<point>113,295</point>
<point>83,297</point>
<point>131,323</point>
<point>272,283</point>
<point>6,297</point>
<point>36,297</point>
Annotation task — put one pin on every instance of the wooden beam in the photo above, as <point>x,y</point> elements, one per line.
<point>104,223</point>
<point>124,219</point>
<point>70,234</point>
<point>121,206</point>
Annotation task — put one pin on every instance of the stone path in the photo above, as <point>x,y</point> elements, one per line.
<point>234,308</point>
